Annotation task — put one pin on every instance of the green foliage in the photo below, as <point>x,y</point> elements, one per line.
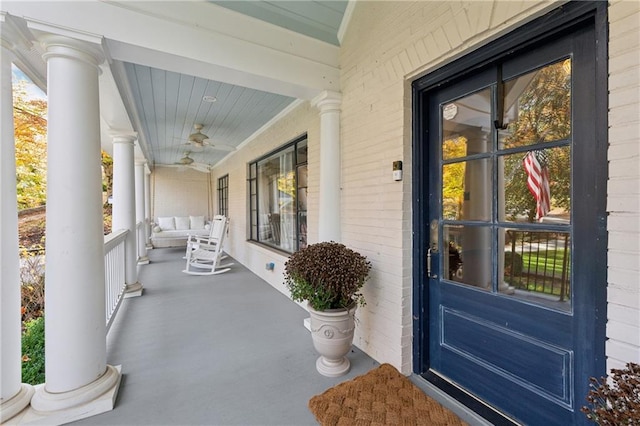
<point>328,275</point>
<point>33,352</point>
<point>617,403</point>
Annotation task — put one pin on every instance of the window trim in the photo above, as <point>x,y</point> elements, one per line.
<point>253,197</point>
<point>223,195</point>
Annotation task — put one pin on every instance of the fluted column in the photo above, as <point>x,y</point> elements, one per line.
<point>75,325</point>
<point>330,166</point>
<point>124,207</point>
<point>140,217</point>
<point>14,396</point>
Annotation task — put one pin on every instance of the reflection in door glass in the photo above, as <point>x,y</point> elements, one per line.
<point>468,260</point>
<point>537,106</point>
<point>466,190</point>
<point>466,125</point>
<point>526,180</point>
<point>536,266</point>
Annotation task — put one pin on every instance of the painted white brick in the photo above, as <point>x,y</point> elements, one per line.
<point>624,241</point>
<point>622,353</point>
<point>623,297</point>
<point>623,314</point>
<point>629,334</point>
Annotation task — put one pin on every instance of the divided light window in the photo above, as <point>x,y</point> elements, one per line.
<point>223,195</point>
<point>278,197</point>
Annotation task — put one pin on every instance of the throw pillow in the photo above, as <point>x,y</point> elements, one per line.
<point>166,223</point>
<point>182,223</point>
<point>197,222</point>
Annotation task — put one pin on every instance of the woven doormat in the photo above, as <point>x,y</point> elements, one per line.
<point>382,396</point>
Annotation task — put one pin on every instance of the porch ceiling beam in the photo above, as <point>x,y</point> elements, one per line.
<point>200,39</point>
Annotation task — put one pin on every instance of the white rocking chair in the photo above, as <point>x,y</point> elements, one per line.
<point>204,254</point>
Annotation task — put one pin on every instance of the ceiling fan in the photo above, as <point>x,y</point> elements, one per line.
<point>187,162</point>
<point>199,140</point>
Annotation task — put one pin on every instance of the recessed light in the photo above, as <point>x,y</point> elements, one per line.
<point>209,98</point>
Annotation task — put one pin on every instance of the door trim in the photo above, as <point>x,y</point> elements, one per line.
<point>565,19</point>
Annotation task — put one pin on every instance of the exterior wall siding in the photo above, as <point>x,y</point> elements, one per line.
<point>623,189</point>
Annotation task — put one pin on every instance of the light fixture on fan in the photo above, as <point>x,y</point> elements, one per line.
<point>198,137</point>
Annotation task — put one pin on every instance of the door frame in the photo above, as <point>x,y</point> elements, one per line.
<point>561,20</point>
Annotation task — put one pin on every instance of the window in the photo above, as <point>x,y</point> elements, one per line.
<point>278,197</point>
<point>223,195</point>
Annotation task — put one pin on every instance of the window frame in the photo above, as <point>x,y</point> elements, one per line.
<point>253,194</point>
<point>223,195</point>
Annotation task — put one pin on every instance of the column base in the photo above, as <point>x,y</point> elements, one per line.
<point>61,408</point>
<point>18,403</point>
<point>143,260</point>
<point>133,290</point>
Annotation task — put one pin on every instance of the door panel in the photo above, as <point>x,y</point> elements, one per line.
<point>507,303</point>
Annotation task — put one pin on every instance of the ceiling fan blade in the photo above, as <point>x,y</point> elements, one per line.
<point>219,146</point>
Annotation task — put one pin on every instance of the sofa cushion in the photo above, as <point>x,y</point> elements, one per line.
<point>182,223</point>
<point>196,222</point>
<point>167,223</point>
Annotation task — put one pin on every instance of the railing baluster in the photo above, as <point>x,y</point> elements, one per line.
<point>114,273</point>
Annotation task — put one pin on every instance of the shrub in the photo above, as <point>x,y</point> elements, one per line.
<point>618,403</point>
<point>328,275</point>
<point>33,352</point>
<point>32,287</point>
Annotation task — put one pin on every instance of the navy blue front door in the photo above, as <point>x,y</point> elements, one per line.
<point>511,229</point>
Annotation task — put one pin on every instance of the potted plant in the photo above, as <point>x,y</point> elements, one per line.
<point>329,277</point>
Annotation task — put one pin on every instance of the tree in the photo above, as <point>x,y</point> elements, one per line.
<point>31,147</point>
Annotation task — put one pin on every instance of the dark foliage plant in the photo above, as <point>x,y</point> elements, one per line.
<point>616,403</point>
<point>328,275</point>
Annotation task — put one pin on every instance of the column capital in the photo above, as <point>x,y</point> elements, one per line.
<point>58,46</point>
<point>327,101</point>
<point>123,137</point>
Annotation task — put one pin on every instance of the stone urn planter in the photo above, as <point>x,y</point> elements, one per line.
<point>332,335</point>
<point>329,276</point>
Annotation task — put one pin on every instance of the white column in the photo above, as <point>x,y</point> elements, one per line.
<point>75,325</point>
<point>147,206</point>
<point>330,166</point>
<point>140,217</point>
<point>14,396</point>
<point>124,207</point>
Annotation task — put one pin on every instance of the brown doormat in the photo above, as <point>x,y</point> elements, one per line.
<point>382,396</point>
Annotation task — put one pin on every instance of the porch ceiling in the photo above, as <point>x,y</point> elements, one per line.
<point>255,59</point>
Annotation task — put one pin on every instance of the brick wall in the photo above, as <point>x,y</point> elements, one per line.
<point>176,192</point>
<point>623,201</point>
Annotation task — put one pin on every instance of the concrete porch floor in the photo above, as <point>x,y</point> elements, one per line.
<point>226,349</point>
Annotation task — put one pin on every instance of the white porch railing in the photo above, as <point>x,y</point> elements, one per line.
<point>114,271</point>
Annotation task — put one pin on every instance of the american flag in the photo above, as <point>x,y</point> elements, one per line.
<point>538,183</point>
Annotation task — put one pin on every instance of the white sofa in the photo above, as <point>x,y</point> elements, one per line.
<point>172,231</point>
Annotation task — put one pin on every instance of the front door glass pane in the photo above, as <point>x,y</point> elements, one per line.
<point>466,125</point>
<point>537,106</point>
<point>466,190</point>
<point>537,186</point>
<point>536,266</point>
<point>467,255</point>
